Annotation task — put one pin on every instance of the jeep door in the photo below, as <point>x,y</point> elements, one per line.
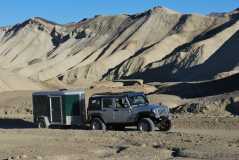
<point>108,107</point>
<point>123,112</point>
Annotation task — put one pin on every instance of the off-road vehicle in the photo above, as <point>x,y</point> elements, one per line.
<point>118,110</point>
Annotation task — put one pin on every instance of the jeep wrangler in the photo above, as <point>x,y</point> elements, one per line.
<point>118,110</point>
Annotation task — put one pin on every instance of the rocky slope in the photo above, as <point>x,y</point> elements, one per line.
<point>156,45</point>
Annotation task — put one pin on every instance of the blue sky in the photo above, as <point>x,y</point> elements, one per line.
<point>65,11</point>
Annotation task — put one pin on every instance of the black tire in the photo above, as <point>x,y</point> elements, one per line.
<point>146,125</point>
<point>42,124</point>
<point>97,124</point>
<point>165,124</point>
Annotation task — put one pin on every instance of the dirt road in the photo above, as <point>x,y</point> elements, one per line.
<point>193,136</point>
<point>64,144</point>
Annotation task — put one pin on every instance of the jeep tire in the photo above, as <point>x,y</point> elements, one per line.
<point>164,125</point>
<point>146,124</point>
<point>97,124</point>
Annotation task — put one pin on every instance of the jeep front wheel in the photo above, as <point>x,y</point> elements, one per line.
<point>146,124</point>
<point>97,124</point>
<point>165,124</point>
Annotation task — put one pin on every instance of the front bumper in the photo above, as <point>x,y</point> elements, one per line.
<point>161,118</point>
<point>164,115</point>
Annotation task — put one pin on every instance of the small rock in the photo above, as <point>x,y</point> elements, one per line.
<point>10,158</point>
<point>23,156</point>
<point>143,145</point>
<point>39,158</point>
<point>158,145</point>
<point>188,140</point>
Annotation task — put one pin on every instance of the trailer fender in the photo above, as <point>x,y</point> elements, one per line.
<point>46,120</point>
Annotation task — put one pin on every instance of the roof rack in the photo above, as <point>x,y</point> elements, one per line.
<point>114,93</point>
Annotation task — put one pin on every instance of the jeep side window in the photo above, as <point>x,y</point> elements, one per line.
<point>108,102</point>
<point>121,102</point>
<point>95,104</point>
<point>136,100</point>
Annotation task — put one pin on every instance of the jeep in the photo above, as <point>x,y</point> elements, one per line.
<point>118,110</point>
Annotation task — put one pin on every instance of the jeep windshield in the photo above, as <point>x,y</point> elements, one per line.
<point>137,100</point>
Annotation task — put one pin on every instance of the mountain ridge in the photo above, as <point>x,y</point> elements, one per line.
<point>122,46</point>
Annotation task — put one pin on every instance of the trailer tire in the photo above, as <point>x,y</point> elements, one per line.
<point>42,124</point>
<point>97,124</point>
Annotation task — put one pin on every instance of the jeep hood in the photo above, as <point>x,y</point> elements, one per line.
<point>148,107</point>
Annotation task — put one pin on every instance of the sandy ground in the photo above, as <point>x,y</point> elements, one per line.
<point>106,47</point>
<point>193,136</point>
<point>64,144</point>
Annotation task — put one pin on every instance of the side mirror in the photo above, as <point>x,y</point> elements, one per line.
<point>126,106</point>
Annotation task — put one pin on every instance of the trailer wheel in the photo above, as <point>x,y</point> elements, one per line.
<point>97,124</point>
<point>146,125</point>
<point>42,124</point>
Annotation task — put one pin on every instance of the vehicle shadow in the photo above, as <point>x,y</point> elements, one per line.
<point>11,123</point>
<point>233,107</point>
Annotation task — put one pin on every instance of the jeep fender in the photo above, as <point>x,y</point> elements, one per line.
<point>147,114</point>
<point>96,115</point>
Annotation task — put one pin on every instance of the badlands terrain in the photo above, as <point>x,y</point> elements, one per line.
<point>188,62</point>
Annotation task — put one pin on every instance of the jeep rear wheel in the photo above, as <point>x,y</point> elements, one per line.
<point>164,125</point>
<point>146,124</point>
<point>97,124</point>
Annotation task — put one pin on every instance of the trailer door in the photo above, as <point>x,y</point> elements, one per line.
<point>56,109</point>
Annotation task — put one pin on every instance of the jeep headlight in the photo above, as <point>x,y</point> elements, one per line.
<point>155,111</point>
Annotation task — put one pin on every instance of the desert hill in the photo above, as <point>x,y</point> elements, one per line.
<point>158,45</point>
<point>189,62</point>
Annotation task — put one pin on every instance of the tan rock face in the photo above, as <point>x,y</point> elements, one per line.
<point>157,45</point>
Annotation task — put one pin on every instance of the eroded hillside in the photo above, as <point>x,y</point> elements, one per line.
<point>156,45</point>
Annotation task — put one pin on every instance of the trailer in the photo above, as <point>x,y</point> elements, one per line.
<point>63,107</point>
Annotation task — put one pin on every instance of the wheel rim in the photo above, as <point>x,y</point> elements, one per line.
<point>144,126</point>
<point>96,125</point>
<point>41,125</point>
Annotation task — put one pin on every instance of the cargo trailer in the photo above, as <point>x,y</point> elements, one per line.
<point>63,107</point>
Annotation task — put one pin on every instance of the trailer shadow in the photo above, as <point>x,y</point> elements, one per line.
<point>15,124</point>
